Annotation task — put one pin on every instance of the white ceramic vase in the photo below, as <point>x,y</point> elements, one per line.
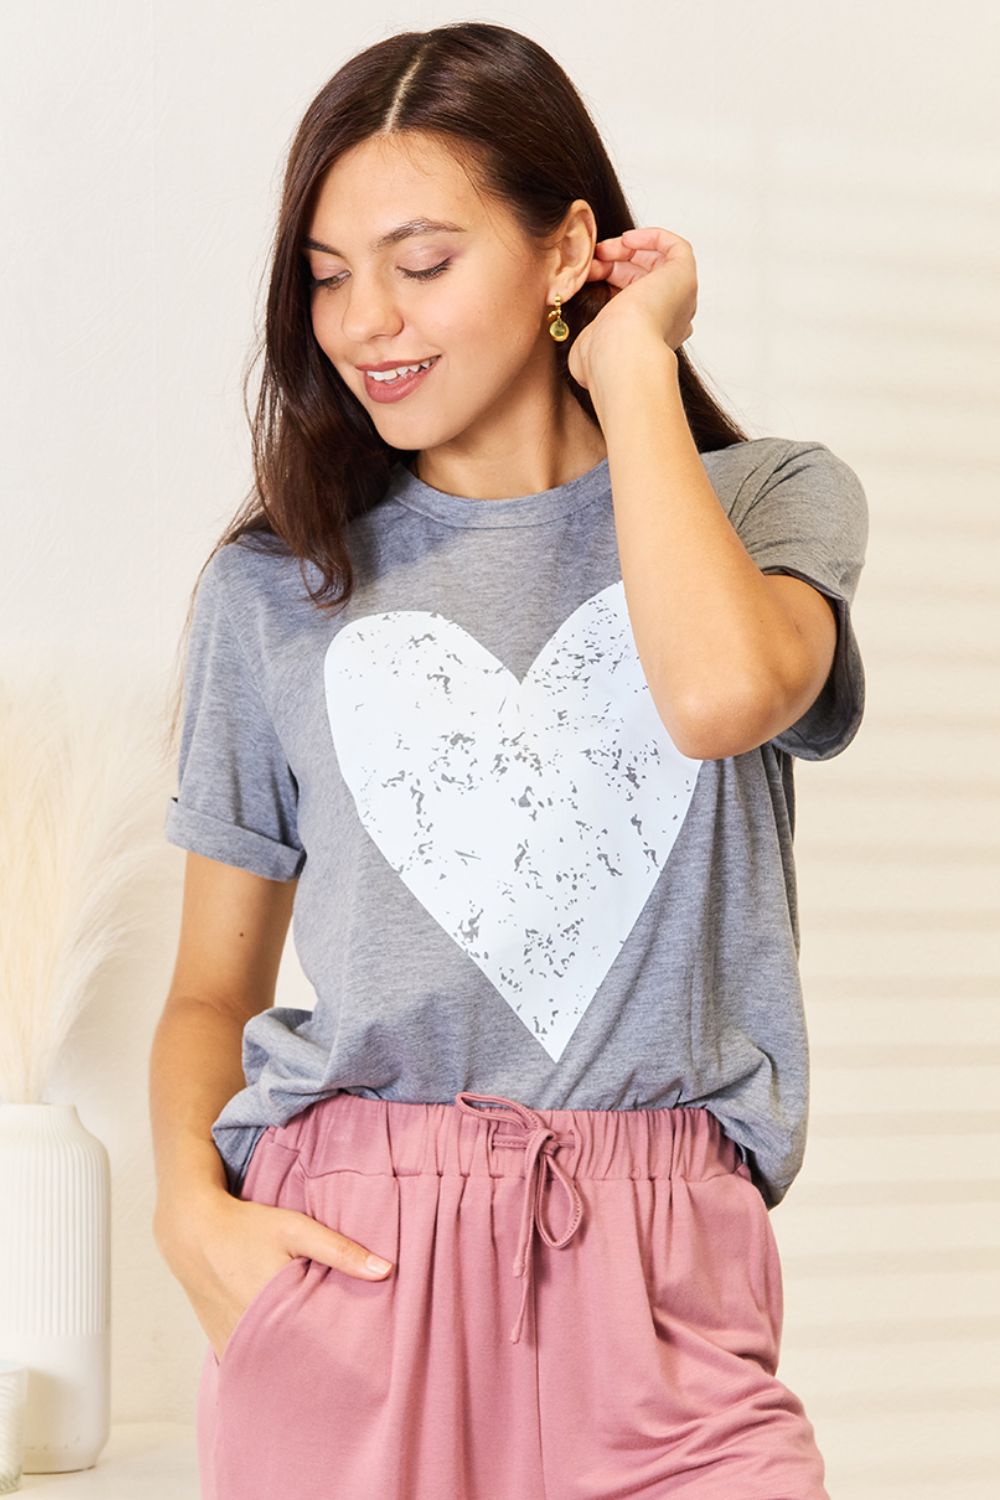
<point>55,1281</point>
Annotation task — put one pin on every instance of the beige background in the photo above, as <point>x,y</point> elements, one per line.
<point>835,168</point>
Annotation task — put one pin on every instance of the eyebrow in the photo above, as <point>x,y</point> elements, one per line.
<point>394,236</point>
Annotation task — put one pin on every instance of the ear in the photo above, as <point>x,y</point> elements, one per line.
<point>577,239</point>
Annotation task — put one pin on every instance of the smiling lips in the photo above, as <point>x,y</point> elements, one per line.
<point>383,385</point>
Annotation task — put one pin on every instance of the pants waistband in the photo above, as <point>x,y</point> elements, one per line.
<point>350,1132</point>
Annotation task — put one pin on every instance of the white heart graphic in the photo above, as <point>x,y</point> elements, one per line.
<point>531,819</point>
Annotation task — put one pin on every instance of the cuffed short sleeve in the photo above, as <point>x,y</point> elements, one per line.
<point>809,518</point>
<point>237,797</point>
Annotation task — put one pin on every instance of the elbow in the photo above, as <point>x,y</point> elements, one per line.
<point>731,725</point>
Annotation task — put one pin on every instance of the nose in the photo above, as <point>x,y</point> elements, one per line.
<point>369,311</point>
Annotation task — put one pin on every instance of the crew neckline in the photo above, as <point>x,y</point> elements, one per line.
<point>517,510</point>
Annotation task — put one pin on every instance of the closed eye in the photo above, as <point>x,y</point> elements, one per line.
<point>334,281</point>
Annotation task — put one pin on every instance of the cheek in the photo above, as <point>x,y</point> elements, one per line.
<point>468,308</point>
<point>322,325</point>
<point>485,327</point>
<point>444,323</point>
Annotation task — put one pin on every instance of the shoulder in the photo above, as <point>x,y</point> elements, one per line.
<point>805,467</point>
<point>246,601</point>
<point>764,456</point>
<point>243,572</point>
<point>254,552</point>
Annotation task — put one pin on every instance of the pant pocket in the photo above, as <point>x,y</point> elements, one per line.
<point>355,1315</point>
<point>273,1177</point>
<point>721,1271</point>
<point>765,1255</point>
<point>269,1294</point>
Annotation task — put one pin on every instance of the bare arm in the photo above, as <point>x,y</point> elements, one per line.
<point>732,656</point>
<point>233,930</point>
<point>222,1249</point>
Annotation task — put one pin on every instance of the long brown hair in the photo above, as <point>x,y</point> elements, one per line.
<point>511,115</point>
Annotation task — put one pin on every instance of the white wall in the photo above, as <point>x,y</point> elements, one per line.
<point>835,167</point>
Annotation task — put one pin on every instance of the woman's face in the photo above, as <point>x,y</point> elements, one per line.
<point>472,297</point>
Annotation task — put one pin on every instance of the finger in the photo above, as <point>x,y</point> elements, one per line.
<point>318,1242</point>
<point>624,275</point>
<point>648,259</point>
<point>652,235</point>
<point>612,249</point>
<point>645,259</point>
<point>672,247</point>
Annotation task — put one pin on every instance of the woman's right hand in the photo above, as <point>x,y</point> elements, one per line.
<point>223,1250</point>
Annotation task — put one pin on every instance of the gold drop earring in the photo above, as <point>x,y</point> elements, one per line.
<point>558,327</point>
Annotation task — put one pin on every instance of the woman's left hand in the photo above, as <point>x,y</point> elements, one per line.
<point>657,272</point>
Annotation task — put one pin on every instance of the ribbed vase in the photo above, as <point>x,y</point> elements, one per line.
<point>55,1281</point>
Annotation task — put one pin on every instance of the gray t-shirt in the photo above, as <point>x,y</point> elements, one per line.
<point>509,878</point>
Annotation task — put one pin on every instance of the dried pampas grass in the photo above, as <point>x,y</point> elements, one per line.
<point>81,769</point>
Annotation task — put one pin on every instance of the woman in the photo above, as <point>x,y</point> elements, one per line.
<point>501,670</point>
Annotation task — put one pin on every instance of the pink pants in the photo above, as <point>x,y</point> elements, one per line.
<point>629,1349</point>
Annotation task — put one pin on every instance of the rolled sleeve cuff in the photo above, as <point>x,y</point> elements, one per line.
<point>216,839</point>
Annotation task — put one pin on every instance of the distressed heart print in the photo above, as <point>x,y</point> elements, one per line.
<point>530,819</point>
